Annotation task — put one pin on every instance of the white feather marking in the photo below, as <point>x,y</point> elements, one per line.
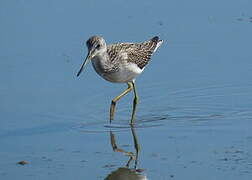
<point>158,44</point>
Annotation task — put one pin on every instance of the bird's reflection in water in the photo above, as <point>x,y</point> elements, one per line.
<point>127,173</point>
<point>124,173</point>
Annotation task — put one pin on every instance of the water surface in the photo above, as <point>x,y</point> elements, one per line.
<point>195,113</point>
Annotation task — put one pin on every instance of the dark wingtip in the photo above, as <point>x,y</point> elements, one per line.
<point>155,39</point>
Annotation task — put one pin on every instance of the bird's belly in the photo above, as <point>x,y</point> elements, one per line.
<point>124,74</point>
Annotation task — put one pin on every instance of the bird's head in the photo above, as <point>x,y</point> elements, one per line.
<point>96,45</point>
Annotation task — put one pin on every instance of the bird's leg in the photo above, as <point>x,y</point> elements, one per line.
<point>135,102</point>
<point>113,103</point>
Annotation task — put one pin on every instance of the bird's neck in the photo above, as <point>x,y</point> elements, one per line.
<point>102,63</point>
<point>103,57</point>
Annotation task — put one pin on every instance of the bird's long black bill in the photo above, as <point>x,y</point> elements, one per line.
<point>83,65</point>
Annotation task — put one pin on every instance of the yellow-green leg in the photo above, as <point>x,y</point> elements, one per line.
<point>135,102</point>
<point>113,103</point>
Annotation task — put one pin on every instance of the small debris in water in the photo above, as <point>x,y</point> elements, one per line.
<point>109,166</point>
<point>23,163</point>
<point>160,23</point>
<point>224,159</point>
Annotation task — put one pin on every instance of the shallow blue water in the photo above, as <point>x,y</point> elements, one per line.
<point>195,113</point>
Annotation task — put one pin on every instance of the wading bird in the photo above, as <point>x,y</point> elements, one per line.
<point>120,63</point>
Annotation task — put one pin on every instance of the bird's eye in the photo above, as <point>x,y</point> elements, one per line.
<point>98,46</point>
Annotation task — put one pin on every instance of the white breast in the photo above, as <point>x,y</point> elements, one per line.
<point>126,71</point>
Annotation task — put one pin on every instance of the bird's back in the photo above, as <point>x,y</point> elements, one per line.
<point>138,53</point>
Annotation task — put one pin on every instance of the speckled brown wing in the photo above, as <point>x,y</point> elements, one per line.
<point>141,53</point>
<point>138,53</point>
